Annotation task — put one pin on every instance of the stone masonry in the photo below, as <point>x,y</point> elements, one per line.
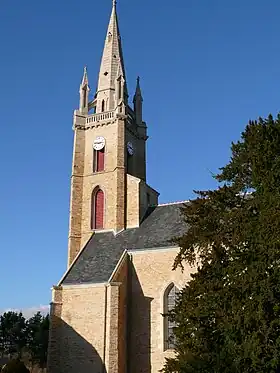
<point>109,319</point>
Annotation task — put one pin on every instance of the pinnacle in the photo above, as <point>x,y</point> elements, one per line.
<point>138,89</point>
<point>85,77</point>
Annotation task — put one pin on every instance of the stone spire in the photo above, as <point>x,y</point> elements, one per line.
<point>138,93</point>
<point>138,100</point>
<point>84,92</point>
<point>85,78</point>
<point>112,66</point>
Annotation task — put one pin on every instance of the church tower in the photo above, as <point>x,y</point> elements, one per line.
<point>108,182</point>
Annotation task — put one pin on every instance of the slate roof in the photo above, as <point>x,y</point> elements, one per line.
<point>99,258</point>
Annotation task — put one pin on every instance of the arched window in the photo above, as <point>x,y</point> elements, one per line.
<point>103,106</point>
<point>98,160</point>
<point>97,209</point>
<point>170,295</point>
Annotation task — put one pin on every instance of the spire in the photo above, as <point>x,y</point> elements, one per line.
<point>138,100</point>
<point>85,78</point>
<point>84,92</point>
<point>111,63</point>
<point>138,93</point>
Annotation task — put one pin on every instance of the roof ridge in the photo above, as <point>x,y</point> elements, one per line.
<point>173,203</point>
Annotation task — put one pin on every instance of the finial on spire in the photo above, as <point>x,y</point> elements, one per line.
<point>114,3</point>
<point>138,93</point>
<point>85,77</point>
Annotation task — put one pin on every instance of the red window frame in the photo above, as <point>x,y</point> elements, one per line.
<point>97,218</point>
<point>98,160</point>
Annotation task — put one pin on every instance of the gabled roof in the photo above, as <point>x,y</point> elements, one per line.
<point>101,254</point>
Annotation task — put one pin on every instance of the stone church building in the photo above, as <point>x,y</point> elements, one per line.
<point>107,310</point>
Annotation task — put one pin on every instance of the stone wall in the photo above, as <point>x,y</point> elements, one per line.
<point>77,342</point>
<point>83,181</point>
<point>151,274</point>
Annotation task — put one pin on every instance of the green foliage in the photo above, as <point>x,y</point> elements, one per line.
<point>12,333</point>
<point>228,315</point>
<point>20,337</point>
<point>38,333</point>
<point>14,366</point>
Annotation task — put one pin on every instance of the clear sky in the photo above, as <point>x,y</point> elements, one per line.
<point>206,68</point>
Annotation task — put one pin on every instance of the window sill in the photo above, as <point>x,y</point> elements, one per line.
<point>98,172</point>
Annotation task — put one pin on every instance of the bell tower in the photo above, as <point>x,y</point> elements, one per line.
<point>108,182</point>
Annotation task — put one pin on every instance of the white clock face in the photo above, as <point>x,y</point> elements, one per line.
<point>130,148</point>
<point>99,143</point>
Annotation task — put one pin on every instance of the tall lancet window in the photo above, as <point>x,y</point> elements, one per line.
<point>97,209</point>
<point>103,106</point>
<point>120,88</point>
<point>85,96</point>
<point>170,296</point>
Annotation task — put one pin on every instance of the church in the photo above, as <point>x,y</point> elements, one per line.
<point>107,311</point>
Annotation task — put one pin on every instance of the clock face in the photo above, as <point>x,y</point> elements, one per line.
<point>130,148</point>
<point>99,143</point>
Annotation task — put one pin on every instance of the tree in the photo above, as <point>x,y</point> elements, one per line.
<point>228,315</point>
<point>37,342</point>
<point>12,333</point>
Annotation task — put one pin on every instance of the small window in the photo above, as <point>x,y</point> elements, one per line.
<point>103,106</point>
<point>97,209</point>
<point>98,160</point>
<point>85,96</point>
<point>120,88</point>
<point>170,297</point>
<point>129,164</point>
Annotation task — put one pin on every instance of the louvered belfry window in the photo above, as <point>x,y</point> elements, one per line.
<point>97,220</point>
<point>98,160</point>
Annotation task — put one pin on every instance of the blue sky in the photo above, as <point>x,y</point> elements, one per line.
<point>206,68</point>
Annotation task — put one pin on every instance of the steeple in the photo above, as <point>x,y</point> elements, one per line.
<point>108,183</point>
<point>137,100</point>
<point>85,77</point>
<point>84,91</point>
<point>111,69</point>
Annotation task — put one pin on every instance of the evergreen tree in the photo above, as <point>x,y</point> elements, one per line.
<point>12,333</point>
<point>228,315</point>
<point>37,345</point>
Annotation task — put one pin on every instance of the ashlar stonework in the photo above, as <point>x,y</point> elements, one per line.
<point>107,310</point>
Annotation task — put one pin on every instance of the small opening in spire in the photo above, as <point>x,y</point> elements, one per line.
<point>103,106</point>
<point>85,97</point>
<point>120,88</point>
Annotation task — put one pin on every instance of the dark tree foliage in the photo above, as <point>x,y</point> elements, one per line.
<point>228,315</point>
<point>14,366</point>
<point>24,338</point>
<point>37,339</point>
<point>12,333</point>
